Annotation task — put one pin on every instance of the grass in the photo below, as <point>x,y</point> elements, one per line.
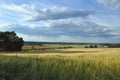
<point>53,46</point>
<point>86,64</point>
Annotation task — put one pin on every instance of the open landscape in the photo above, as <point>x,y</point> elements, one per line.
<point>59,39</point>
<point>75,63</point>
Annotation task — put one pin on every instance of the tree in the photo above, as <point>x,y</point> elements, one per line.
<point>91,46</point>
<point>9,41</point>
<point>95,46</point>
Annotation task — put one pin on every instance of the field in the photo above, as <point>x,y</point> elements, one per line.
<point>52,63</point>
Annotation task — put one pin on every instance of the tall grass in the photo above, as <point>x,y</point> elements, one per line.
<point>61,67</point>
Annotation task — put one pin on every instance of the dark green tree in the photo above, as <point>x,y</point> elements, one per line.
<point>9,41</point>
<point>95,46</point>
<point>91,46</point>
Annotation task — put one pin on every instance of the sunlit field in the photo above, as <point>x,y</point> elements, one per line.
<point>59,39</point>
<point>66,64</point>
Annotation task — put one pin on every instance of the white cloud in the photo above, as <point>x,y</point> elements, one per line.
<point>35,13</point>
<point>5,26</point>
<point>0,13</point>
<point>24,8</point>
<point>51,23</point>
<point>54,13</point>
<point>17,12</point>
<point>114,4</point>
<point>74,25</point>
<point>66,27</point>
<point>63,38</point>
<point>27,37</point>
<point>116,34</point>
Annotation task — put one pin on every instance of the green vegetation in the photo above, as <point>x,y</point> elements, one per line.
<point>57,61</point>
<point>92,46</point>
<point>101,64</point>
<point>9,41</point>
<point>113,45</point>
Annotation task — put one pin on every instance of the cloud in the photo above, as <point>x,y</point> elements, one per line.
<point>115,34</point>
<point>66,30</point>
<point>5,26</point>
<point>52,23</point>
<point>24,8</point>
<point>17,11</point>
<point>63,38</point>
<point>67,27</point>
<point>114,4</point>
<point>46,38</point>
<point>54,13</point>
<point>35,13</point>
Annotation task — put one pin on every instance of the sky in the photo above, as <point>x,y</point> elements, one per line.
<point>84,21</point>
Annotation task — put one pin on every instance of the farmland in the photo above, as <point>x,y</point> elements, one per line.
<point>60,62</point>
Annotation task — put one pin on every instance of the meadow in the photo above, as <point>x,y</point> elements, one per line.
<point>61,64</point>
